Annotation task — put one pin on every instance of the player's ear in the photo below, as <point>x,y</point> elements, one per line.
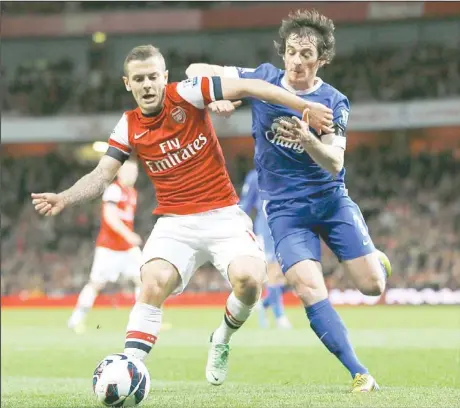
<point>126,82</point>
<point>166,74</point>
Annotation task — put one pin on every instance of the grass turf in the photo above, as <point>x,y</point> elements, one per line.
<point>414,352</point>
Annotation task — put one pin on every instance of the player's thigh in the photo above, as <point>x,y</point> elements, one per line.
<point>234,249</point>
<point>345,232</point>
<point>106,266</point>
<point>165,243</point>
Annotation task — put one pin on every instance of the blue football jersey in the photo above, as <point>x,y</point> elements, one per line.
<point>284,169</point>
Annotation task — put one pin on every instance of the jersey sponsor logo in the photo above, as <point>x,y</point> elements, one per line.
<point>274,137</point>
<point>174,159</point>
<point>178,114</point>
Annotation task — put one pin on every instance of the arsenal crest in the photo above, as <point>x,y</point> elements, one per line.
<point>178,114</point>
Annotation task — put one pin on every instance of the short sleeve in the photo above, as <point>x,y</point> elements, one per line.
<point>119,147</point>
<point>261,72</point>
<point>112,194</point>
<point>200,91</point>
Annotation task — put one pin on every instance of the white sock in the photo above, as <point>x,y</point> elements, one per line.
<point>236,313</point>
<point>142,331</point>
<point>84,303</point>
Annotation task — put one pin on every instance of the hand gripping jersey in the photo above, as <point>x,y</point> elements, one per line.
<point>285,170</point>
<point>125,198</point>
<point>179,149</point>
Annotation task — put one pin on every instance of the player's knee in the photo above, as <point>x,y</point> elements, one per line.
<point>159,279</point>
<point>310,292</point>
<point>307,280</point>
<point>247,275</point>
<point>372,285</point>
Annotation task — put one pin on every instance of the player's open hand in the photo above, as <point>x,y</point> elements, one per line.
<point>48,204</point>
<point>224,108</point>
<point>296,130</point>
<point>320,118</point>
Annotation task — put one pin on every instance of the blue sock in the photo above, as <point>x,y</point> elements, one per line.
<point>268,301</point>
<point>277,301</point>
<point>329,328</point>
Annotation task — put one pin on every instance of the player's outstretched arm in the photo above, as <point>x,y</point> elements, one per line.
<point>234,89</point>
<point>87,188</point>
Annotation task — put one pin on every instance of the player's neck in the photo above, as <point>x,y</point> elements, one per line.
<point>302,88</point>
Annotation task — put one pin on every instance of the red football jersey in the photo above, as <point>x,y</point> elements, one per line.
<point>179,150</point>
<point>125,198</point>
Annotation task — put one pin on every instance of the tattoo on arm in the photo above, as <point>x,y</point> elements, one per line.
<point>90,186</point>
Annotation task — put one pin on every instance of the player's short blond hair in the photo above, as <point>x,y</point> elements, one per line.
<point>309,22</point>
<point>142,53</point>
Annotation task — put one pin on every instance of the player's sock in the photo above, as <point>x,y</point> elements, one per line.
<point>277,302</point>
<point>142,331</point>
<point>84,303</point>
<point>269,298</point>
<point>236,313</point>
<point>329,327</point>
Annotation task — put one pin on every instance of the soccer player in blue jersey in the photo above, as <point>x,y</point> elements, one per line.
<point>301,178</point>
<point>250,200</point>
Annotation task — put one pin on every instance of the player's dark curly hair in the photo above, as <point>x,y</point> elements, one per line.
<point>305,23</point>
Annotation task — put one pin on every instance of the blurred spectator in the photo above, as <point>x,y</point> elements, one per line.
<point>429,71</point>
<point>410,204</point>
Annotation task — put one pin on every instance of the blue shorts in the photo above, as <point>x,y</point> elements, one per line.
<point>297,226</point>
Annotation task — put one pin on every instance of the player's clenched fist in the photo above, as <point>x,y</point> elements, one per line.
<point>48,204</point>
<point>224,108</point>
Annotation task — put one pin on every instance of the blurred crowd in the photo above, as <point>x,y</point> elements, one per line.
<point>51,87</point>
<point>411,205</point>
<point>47,7</point>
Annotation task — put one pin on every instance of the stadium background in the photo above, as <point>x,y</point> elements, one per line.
<point>62,94</point>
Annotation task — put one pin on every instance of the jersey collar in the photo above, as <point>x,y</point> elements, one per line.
<point>314,88</point>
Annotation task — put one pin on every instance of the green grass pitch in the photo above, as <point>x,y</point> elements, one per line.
<point>414,352</point>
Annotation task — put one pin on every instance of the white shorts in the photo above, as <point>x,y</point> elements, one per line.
<point>189,241</point>
<point>109,264</point>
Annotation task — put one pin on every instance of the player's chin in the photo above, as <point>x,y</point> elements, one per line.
<point>150,105</point>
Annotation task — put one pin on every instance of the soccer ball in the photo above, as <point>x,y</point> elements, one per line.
<point>120,380</point>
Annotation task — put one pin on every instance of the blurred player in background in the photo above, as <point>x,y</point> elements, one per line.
<point>172,135</point>
<point>301,178</point>
<point>117,245</point>
<point>250,200</point>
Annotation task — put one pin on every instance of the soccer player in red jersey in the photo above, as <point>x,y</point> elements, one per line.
<point>171,133</point>
<point>117,245</point>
